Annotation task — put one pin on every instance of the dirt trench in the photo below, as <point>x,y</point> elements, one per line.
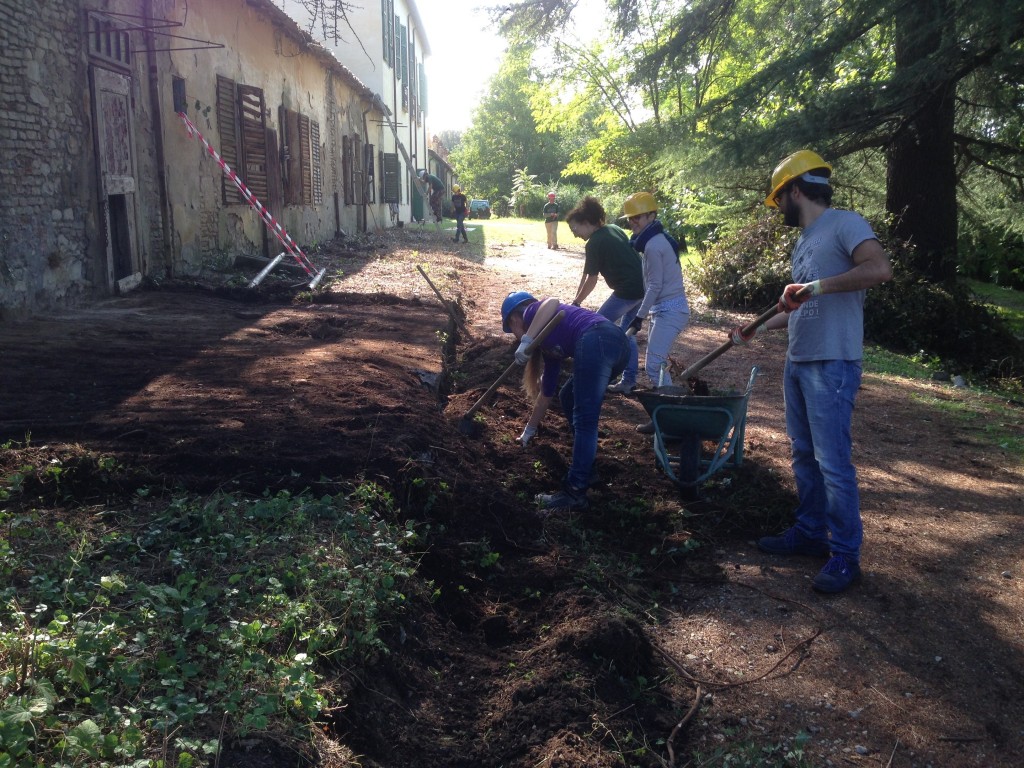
<point>574,641</point>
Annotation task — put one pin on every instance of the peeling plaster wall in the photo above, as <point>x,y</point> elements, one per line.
<point>256,53</point>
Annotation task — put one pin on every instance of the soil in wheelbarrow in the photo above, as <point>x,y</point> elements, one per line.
<point>573,641</point>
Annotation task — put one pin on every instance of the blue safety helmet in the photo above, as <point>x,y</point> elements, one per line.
<point>512,302</point>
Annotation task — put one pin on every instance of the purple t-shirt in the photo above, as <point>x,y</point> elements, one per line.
<point>561,342</point>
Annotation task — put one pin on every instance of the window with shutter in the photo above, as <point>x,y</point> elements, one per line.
<point>404,67</point>
<point>227,125</point>
<point>423,89</point>
<point>368,160</point>
<point>242,124</point>
<point>358,176</point>
<point>305,167</point>
<point>316,155</point>
<point>391,183</point>
<point>254,140</point>
<point>346,170</point>
<point>302,160</point>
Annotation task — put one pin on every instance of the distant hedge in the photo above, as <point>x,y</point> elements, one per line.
<point>747,270</point>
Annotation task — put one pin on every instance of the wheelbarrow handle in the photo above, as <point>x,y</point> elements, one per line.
<point>752,326</point>
<point>541,335</point>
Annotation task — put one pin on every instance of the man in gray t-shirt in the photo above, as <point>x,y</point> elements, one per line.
<point>835,261</point>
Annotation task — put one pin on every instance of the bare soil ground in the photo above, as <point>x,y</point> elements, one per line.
<point>640,633</point>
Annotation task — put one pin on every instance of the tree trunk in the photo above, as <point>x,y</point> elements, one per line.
<point>921,176</point>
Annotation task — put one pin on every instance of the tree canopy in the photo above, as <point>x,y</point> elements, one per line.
<point>507,135</point>
<point>918,103</point>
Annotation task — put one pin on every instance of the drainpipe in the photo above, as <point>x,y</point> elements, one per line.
<point>412,128</point>
<point>158,138</point>
<point>366,143</point>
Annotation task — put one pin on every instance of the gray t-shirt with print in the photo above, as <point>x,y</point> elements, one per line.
<point>831,326</point>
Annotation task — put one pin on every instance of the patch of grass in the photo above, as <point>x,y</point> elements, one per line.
<point>880,360</point>
<point>995,415</point>
<point>194,618</point>
<point>1007,303</point>
<point>998,422</point>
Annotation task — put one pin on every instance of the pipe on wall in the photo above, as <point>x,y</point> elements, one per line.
<point>158,139</point>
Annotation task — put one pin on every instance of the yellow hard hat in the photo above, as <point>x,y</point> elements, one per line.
<point>794,166</point>
<point>456,188</point>
<point>639,202</point>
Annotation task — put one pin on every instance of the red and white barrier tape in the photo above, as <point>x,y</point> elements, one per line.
<point>271,222</point>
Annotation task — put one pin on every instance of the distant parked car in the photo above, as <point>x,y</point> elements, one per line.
<point>479,209</point>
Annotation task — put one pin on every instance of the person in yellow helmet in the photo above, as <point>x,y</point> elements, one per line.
<point>664,294</point>
<point>835,260</point>
<point>460,207</point>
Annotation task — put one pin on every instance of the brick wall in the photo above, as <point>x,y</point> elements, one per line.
<point>44,215</point>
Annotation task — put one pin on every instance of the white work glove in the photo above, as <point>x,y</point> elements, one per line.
<point>527,436</point>
<point>796,294</point>
<point>521,355</point>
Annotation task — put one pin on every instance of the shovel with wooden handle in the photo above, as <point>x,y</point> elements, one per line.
<point>754,324</point>
<point>466,422</point>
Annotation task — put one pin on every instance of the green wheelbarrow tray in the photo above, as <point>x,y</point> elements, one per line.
<point>683,423</point>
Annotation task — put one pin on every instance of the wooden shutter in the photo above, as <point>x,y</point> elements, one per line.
<point>227,125</point>
<point>254,140</point>
<point>395,65</point>
<point>391,183</point>
<point>346,170</point>
<point>358,178</point>
<point>316,162</point>
<point>404,66</point>
<point>423,88</point>
<point>293,159</point>
<point>305,155</point>
<point>368,165</point>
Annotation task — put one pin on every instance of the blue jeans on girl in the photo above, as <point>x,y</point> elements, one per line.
<point>600,354</point>
<point>621,312</point>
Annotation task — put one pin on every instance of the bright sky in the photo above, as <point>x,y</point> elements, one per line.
<point>464,54</point>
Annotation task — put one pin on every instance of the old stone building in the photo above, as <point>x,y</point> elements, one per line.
<point>102,184</point>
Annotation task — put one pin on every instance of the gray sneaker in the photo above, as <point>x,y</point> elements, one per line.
<point>562,501</point>
<point>622,386</point>
<point>792,542</point>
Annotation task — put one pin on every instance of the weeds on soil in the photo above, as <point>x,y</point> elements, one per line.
<point>199,621</point>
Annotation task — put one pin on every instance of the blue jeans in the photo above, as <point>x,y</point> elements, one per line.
<point>622,312</point>
<point>819,409</point>
<point>601,354</point>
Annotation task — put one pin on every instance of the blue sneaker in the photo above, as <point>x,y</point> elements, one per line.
<point>838,574</point>
<point>792,542</point>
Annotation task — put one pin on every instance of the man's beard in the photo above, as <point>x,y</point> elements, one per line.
<point>791,214</point>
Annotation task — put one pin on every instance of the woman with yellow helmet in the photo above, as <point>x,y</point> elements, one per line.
<point>664,294</point>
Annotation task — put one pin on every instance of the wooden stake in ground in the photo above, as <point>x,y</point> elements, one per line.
<point>446,304</point>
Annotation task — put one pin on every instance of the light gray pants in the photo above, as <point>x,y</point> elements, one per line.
<point>665,327</point>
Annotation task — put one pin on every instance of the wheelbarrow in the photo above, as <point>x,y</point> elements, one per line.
<point>684,423</point>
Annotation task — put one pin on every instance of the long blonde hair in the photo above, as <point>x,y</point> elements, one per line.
<point>532,373</point>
